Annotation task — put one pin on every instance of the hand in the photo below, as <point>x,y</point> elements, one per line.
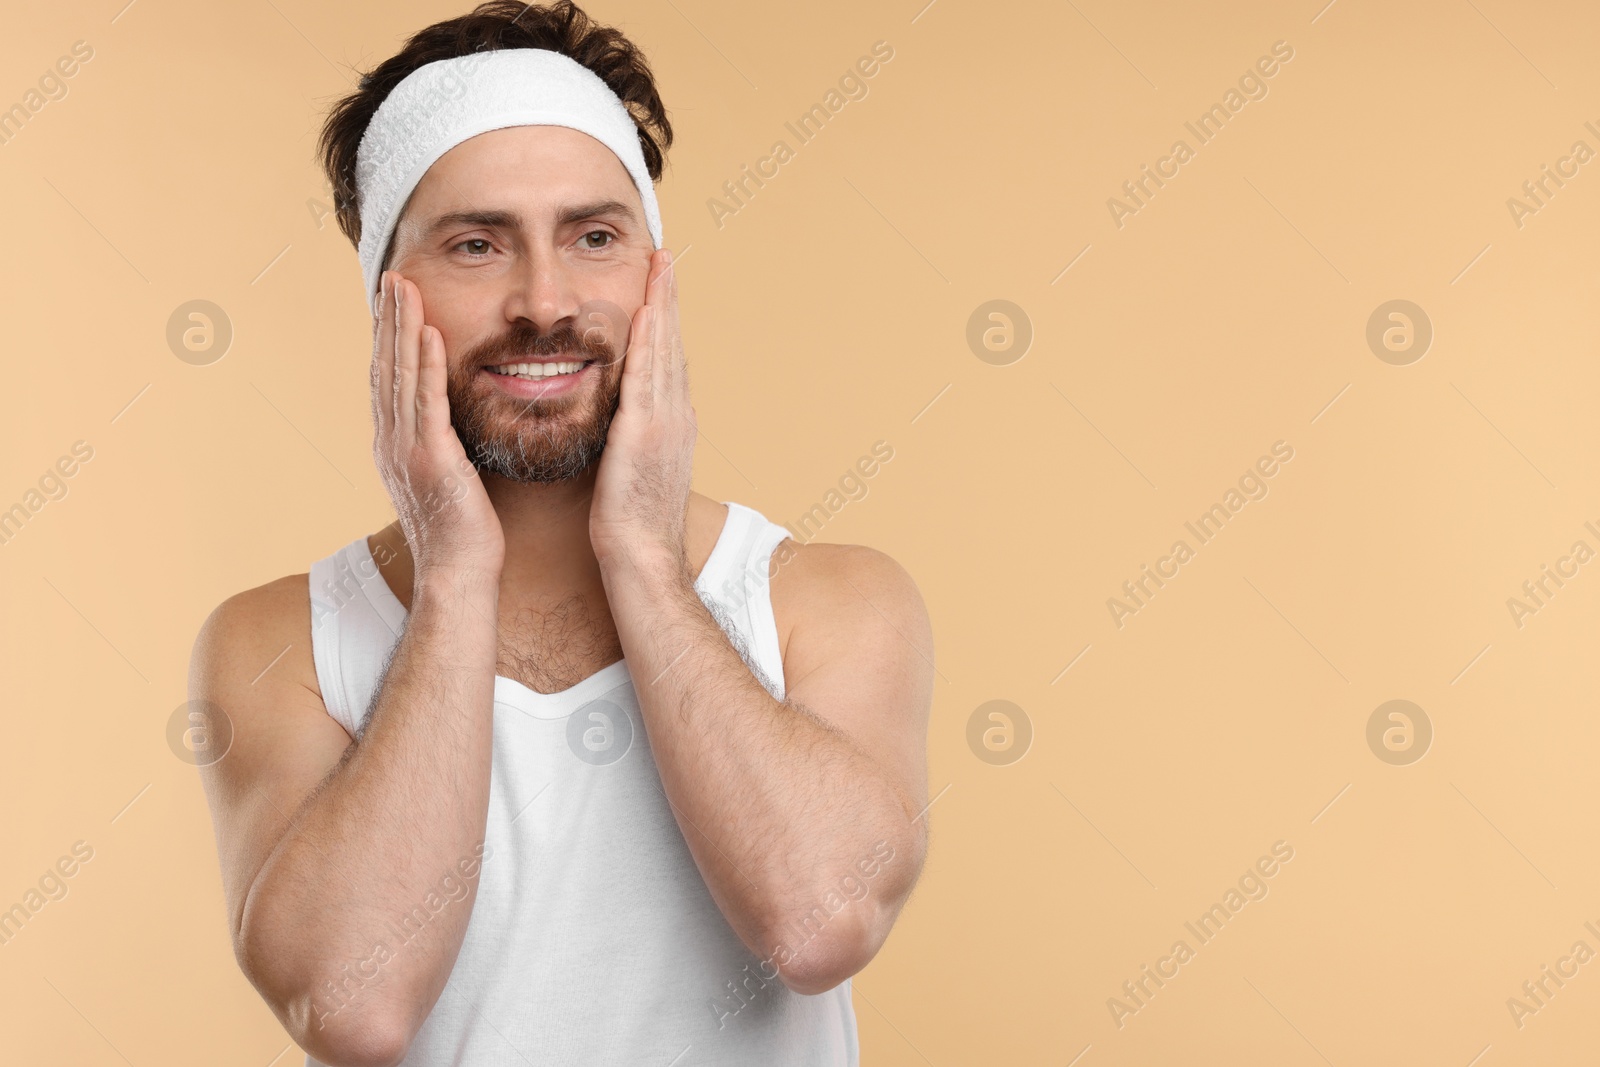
<point>642,488</point>
<point>451,526</point>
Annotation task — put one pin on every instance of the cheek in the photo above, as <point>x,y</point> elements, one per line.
<point>459,318</point>
<point>628,285</point>
<point>604,321</point>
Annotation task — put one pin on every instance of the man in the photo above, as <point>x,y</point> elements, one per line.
<point>570,764</point>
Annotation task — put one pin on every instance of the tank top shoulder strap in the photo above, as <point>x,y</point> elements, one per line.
<point>355,623</point>
<point>734,583</point>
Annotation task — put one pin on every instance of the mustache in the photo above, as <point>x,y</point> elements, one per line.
<point>523,339</point>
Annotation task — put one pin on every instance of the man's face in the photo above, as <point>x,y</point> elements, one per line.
<point>529,245</point>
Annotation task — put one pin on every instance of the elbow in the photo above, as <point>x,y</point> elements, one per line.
<point>351,1035</point>
<point>841,943</point>
<point>820,968</point>
<point>339,1028</point>
<point>852,938</point>
<point>370,1049</point>
<point>357,1044</point>
<point>831,956</point>
<point>809,982</point>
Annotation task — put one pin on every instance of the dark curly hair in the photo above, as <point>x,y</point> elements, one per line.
<point>560,27</point>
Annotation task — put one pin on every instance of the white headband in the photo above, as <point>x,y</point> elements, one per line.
<point>441,104</point>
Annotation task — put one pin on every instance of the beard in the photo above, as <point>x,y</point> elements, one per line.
<point>540,439</point>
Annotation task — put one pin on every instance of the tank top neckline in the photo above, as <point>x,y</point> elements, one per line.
<point>514,694</point>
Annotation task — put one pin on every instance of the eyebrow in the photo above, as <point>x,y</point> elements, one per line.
<point>511,220</point>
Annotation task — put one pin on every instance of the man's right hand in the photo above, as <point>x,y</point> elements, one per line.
<point>448,520</point>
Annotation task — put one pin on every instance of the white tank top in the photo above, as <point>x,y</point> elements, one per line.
<point>593,939</point>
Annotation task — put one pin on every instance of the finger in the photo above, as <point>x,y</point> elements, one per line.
<point>383,358</point>
<point>634,390</point>
<point>658,283</point>
<point>407,357</point>
<point>432,403</point>
<point>661,375</point>
<point>676,364</point>
<point>642,340</point>
<point>663,337</point>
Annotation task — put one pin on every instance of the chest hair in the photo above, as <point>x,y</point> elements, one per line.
<point>553,647</point>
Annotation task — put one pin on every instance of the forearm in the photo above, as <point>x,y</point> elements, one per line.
<point>336,926</point>
<point>777,806</point>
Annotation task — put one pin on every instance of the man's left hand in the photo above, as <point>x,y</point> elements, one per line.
<point>642,489</point>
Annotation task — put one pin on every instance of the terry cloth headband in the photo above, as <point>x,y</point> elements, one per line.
<point>441,104</point>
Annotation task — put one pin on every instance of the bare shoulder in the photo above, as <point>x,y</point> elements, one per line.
<point>253,680</point>
<point>858,654</point>
<point>821,589</point>
<point>267,627</point>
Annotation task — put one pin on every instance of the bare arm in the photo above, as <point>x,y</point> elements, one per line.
<point>804,815</point>
<point>790,806</point>
<point>331,848</point>
<point>350,866</point>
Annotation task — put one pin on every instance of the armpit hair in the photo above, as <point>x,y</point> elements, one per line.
<point>741,646</point>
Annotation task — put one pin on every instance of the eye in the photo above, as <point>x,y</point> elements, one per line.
<point>476,241</point>
<point>611,239</point>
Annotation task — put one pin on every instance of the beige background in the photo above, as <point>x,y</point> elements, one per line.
<point>829,313</point>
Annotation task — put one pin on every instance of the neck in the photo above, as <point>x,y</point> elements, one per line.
<point>546,527</point>
<point>549,555</point>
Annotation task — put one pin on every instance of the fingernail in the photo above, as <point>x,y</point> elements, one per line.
<point>667,258</point>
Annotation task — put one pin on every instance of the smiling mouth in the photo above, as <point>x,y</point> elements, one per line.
<point>537,372</point>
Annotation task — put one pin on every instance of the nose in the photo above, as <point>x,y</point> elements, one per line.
<point>541,290</point>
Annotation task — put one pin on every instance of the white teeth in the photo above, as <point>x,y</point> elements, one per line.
<point>536,371</point>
